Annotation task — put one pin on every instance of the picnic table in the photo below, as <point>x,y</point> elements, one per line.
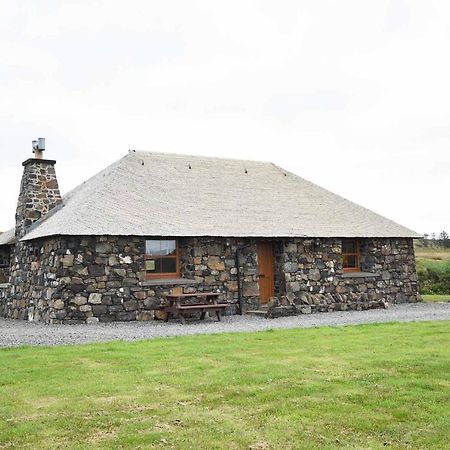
<point>178,304</point>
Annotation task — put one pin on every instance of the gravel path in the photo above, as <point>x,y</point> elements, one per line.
<point>16,332</point>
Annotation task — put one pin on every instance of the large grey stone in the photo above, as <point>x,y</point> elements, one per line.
<point>306,310</point>
<point>79,300</point>
<point>92,320</point>
<point>95,298</point>
<point>386,275</point>
<point>96,270</point>
<point>103,248</point>
<point>85,308</point>
<point>290,267</point>
<point>292,286</point>
<point>314,274</point>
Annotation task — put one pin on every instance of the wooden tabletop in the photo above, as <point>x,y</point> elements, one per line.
<point>200,294</point>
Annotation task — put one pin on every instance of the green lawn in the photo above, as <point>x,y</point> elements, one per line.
<point>436,298</point>
<point>367,386</point>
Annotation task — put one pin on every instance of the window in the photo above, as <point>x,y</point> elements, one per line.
<point>4,259</point>
<point>350,255</point>
<point>161,258</point>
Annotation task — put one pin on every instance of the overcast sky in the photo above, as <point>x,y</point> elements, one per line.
<point>352,95</point>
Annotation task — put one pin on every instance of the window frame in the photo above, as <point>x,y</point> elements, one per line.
<point>356,254</point>
<point>164,275</point>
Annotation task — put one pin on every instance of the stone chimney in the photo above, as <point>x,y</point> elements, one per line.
<point>39,191</point>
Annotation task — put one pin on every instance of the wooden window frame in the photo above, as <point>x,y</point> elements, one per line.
<point>356,254</point>
<point>160,275</point>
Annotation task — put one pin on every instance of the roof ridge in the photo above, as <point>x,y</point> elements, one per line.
<point>187,155</point>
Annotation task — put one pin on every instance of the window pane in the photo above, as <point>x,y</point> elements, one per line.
<point>160,247</point>
<point>168,265</point>
<point>348,247</point>
<point>349,261</point>
<point>168,247</point>
<point>153,247</point>
<point>153,265</point>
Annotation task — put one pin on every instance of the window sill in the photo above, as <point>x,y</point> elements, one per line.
<point>168,281</point>
<point>359,275</point>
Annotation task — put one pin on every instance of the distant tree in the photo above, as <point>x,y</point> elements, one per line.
<point>433,239</point>
<point>425,240</point>
<point>444,239</point>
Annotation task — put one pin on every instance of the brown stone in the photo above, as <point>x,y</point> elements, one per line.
<point>141,295</point>
<point>341,289</point>
<point>113,260</point>
<point>250,289</point>
<point>215,263</point>
<point>67,260</point>
<point>144,316</point>
<point>130,305</point>
<point>52,184</point>
<point>58,304</point>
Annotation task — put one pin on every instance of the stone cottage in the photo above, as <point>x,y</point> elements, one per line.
<point>151,223</point>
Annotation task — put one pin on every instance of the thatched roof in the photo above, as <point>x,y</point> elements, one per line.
<point>156,194</point>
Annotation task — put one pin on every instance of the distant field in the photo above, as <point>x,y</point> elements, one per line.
<point>368,386</point>
<point>438,254</point>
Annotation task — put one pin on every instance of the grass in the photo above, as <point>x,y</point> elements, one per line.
<point>436,298</point>
<point>367,386</point>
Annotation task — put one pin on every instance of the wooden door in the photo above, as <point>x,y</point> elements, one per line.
<point>265,263</point>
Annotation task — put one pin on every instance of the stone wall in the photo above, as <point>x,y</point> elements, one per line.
<point>314,279</point>
<point>87,279</point>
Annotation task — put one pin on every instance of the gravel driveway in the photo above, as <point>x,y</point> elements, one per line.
<point>16,332</point>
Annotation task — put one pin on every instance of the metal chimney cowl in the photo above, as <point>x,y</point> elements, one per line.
<point>38,147</point>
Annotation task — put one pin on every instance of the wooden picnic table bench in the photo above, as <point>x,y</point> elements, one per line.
<point>177,303</point>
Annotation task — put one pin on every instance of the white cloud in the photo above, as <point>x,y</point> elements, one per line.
<point>352,95</point>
